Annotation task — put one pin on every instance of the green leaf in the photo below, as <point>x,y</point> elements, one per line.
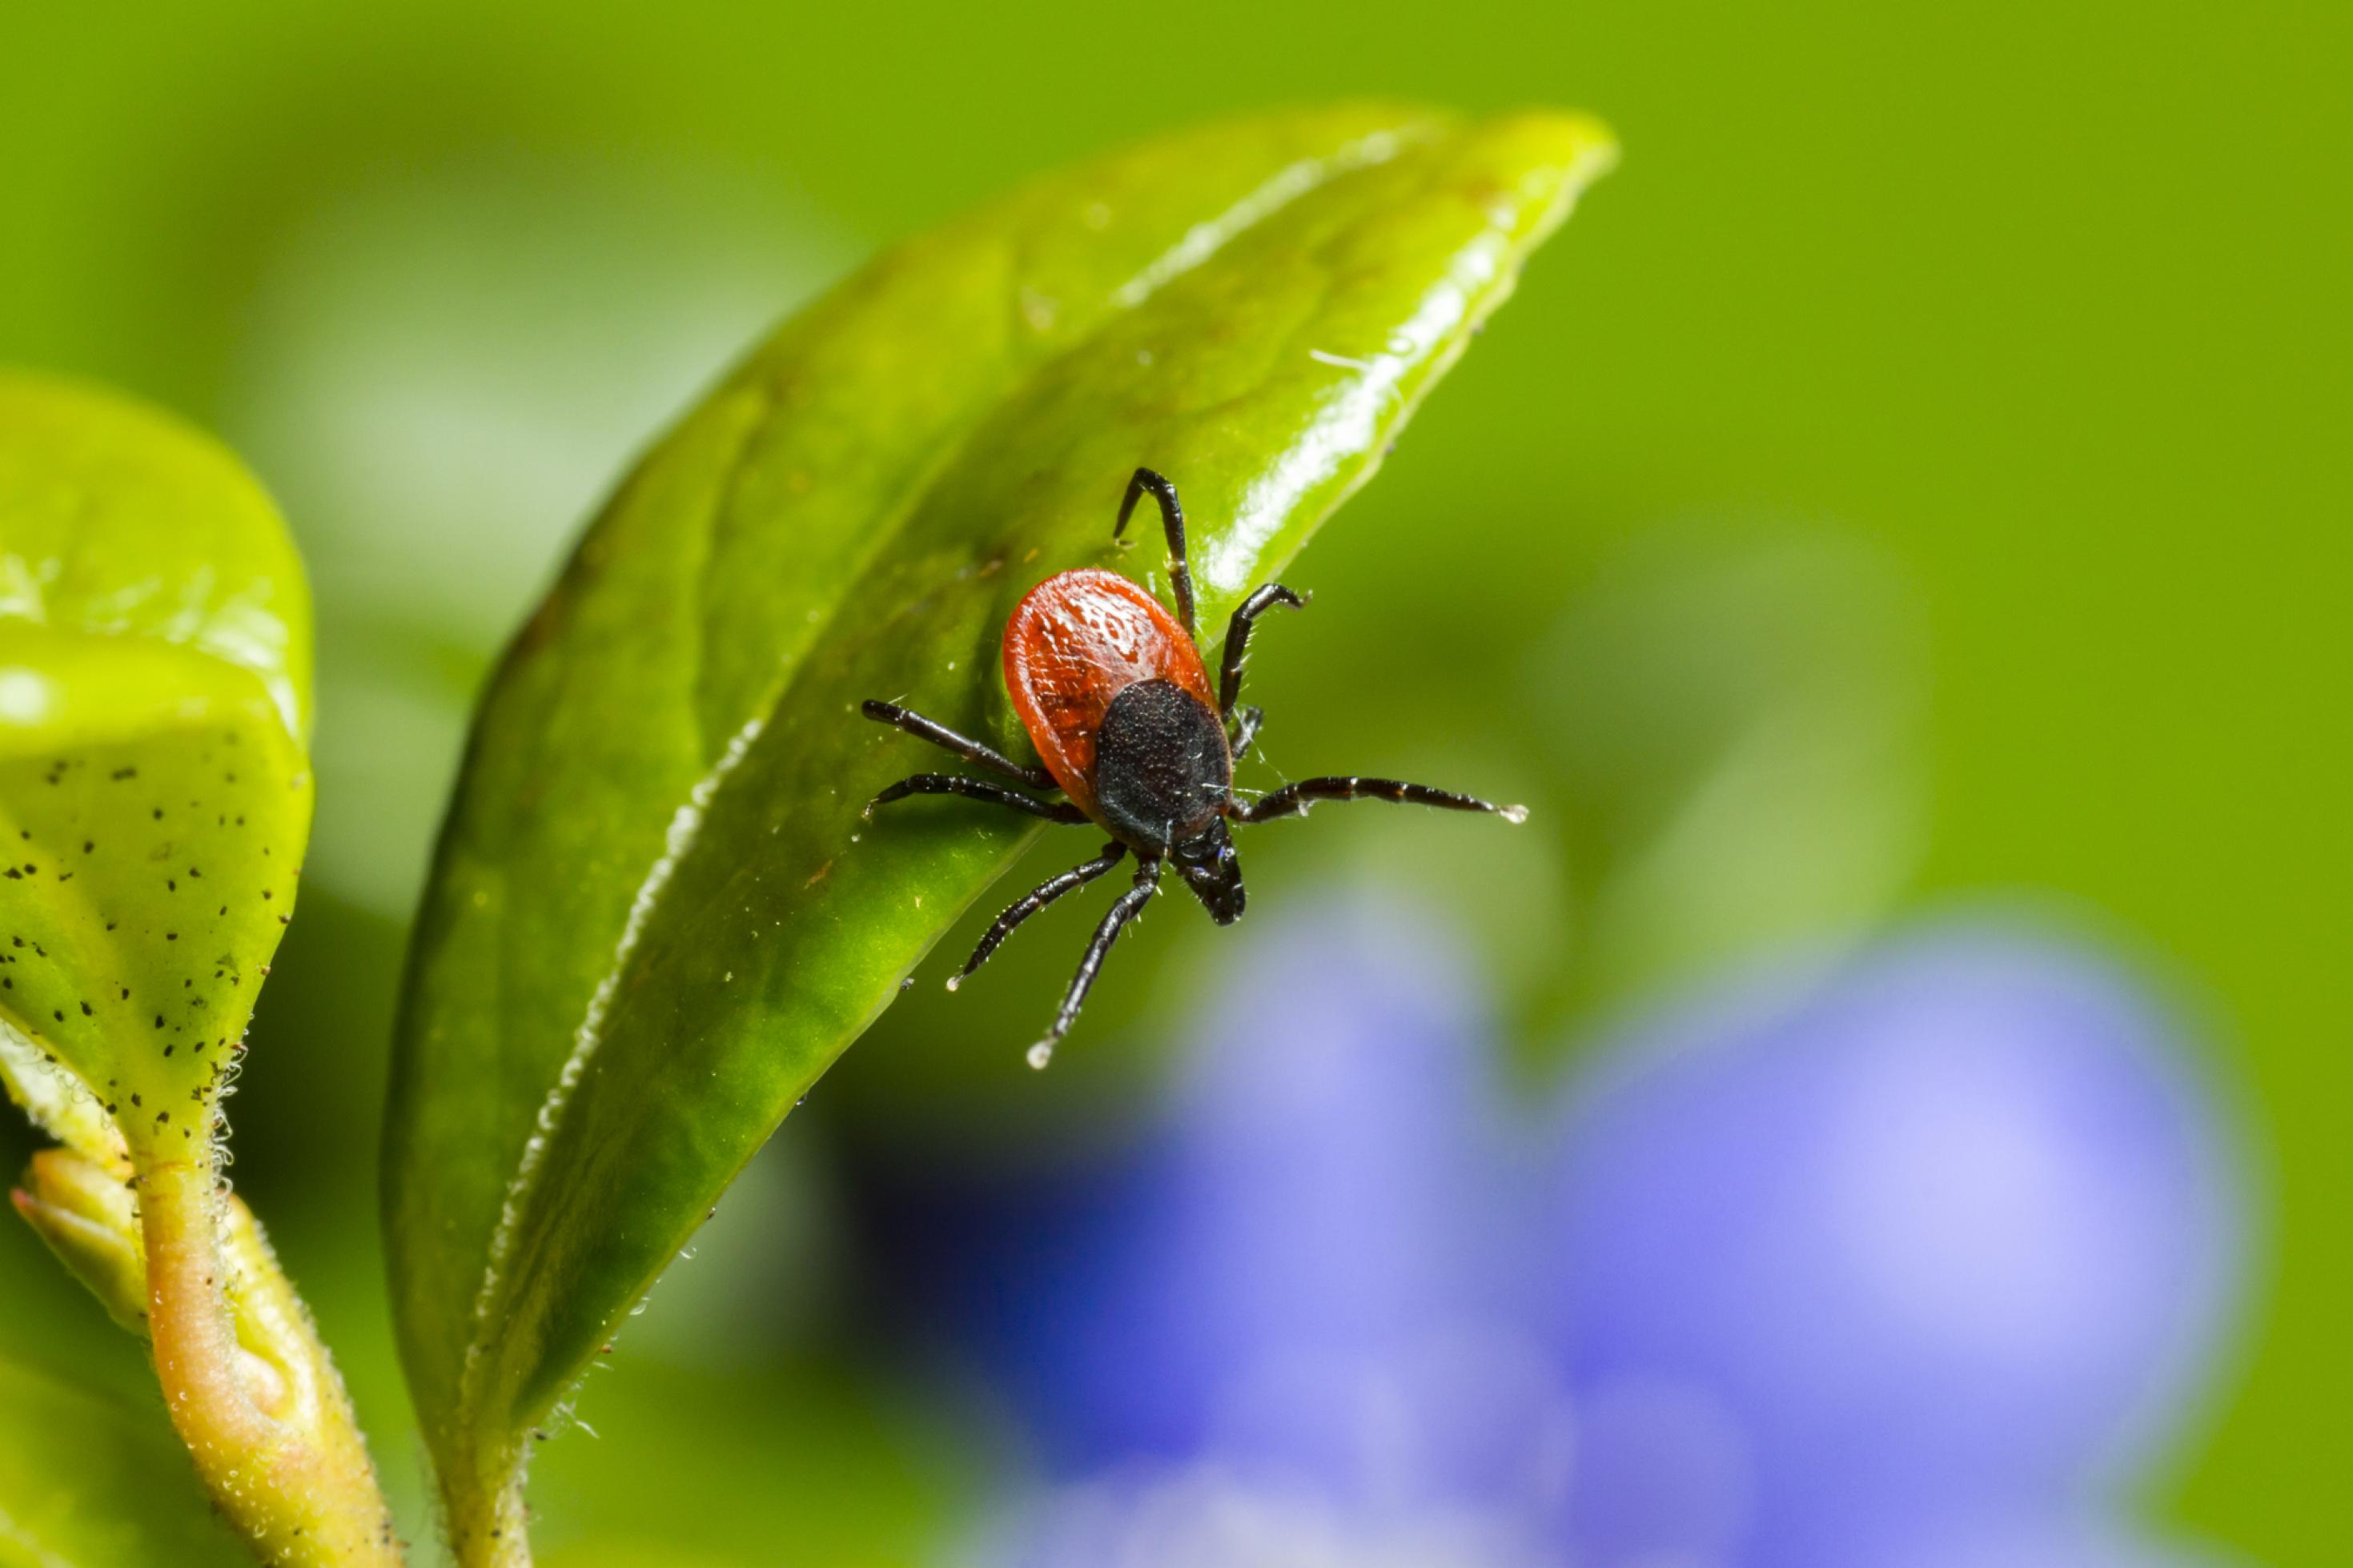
<point>154,795</point>
<point>86,1215</point>
<point>86,1482</point>
<point>657,915</point>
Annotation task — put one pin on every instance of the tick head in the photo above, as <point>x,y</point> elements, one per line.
<point>1214,872</point>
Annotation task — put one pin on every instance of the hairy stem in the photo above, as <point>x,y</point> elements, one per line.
<point>488,1527</point>
<point>251,1388</point>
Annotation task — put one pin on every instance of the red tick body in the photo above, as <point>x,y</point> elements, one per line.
<point>1074,643</point>
<point>1113,693</point>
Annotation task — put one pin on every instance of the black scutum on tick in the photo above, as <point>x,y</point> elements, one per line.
<point>1162,771</point>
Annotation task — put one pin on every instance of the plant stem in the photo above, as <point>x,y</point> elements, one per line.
<point>261,1410</point>
<point>487,1525</point>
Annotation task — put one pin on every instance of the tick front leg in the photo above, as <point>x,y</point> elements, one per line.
<point>977,789</point>
<point>1037,899</point>
<point>1237,632</point>
<point>964,746</point>
<point>1172,518</point>
<point>1294,799</point>
<point>1147,881</point>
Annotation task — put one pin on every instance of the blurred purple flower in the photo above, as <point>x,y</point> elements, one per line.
<point>1912,1267</point>
<point>1952,1232</point>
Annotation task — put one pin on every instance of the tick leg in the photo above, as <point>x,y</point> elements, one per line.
<point>1147,881</point>
<point>1244,733</point>
<point>977,789</point>
<point>971,751</point>
<point>1173,515</point>
<point>1229,675</point>
<point>1294,799</point>
<point>1037,899</point>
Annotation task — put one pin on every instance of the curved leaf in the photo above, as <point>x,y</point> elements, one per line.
<point>657,915</point>
<point>88,1483</point>
<point>154,795</point>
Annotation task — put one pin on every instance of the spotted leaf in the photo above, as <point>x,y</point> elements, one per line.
<point>154,795</point>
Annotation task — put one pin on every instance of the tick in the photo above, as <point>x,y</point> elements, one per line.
<point>1117,700</point>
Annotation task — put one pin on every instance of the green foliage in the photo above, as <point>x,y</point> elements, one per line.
<point>154,802</point>
<point>87,1217</point>
<point>155,795</point>
<point>86,1482</point>
<point>2093,439</point>
<point>657,915</point>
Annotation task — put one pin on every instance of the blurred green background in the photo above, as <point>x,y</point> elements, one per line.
<point>1919,473</point>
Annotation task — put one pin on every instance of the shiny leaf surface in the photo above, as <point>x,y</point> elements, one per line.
<point>656,916</point>
<point>154,795</point>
